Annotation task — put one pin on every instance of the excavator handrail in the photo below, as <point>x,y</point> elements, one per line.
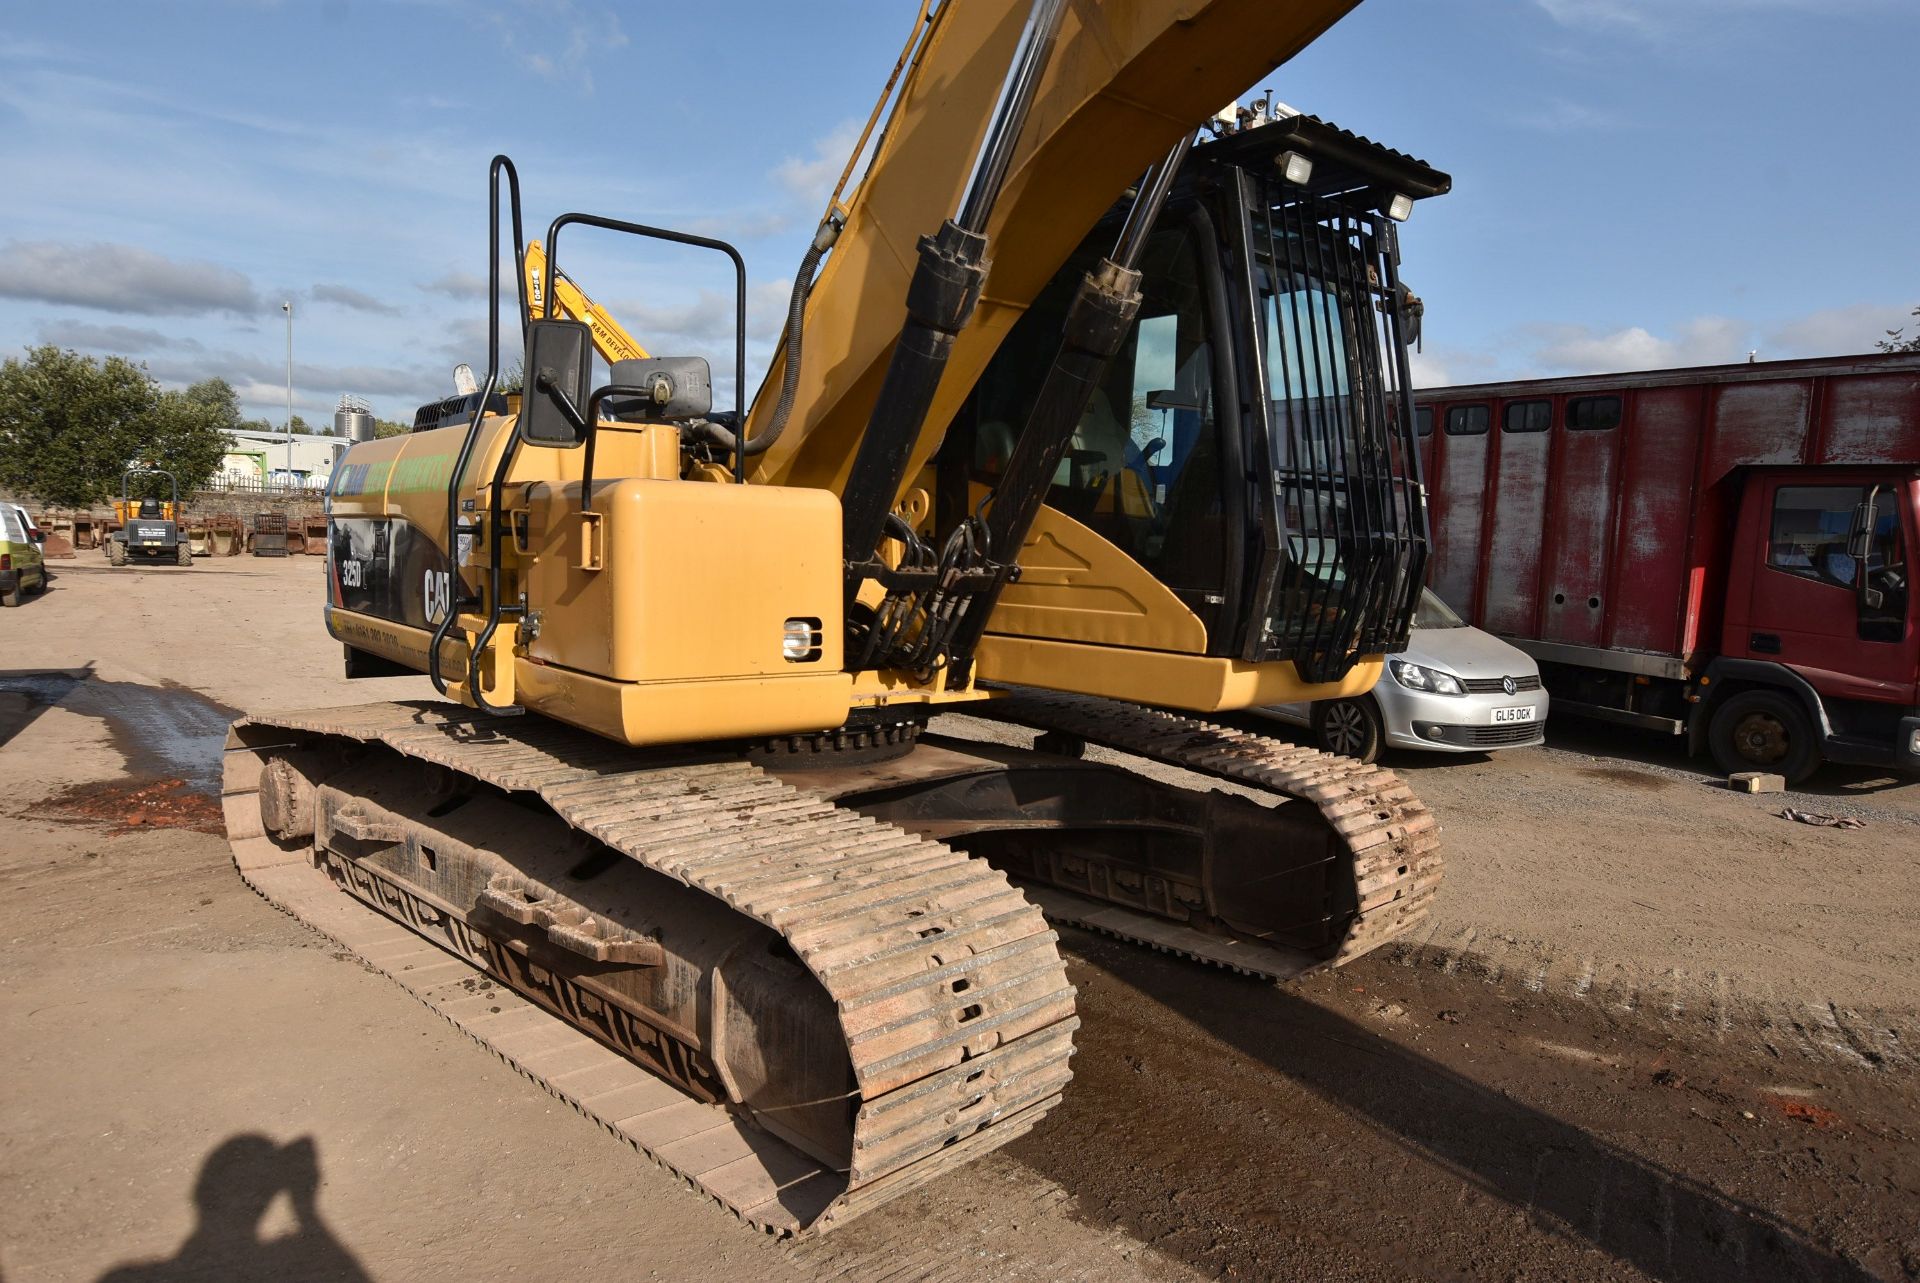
<point>498,165</point>
<point>676,238</point>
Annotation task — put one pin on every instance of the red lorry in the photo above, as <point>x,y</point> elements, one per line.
<point>1722,552</point>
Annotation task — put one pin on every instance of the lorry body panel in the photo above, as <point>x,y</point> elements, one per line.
<point>1634,531</point>
<point>1530,528</point>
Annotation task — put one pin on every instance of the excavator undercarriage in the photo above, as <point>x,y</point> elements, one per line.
<point>843,970</point>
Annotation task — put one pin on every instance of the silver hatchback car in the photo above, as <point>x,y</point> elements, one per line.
<point>1454,689</point>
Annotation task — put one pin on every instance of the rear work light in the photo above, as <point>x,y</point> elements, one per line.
<point>800,640</point>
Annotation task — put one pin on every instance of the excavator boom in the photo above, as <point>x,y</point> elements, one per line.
<point>1126,81</point>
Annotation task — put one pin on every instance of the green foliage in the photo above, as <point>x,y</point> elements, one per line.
<point>384,428</point>
<point>1896,340</point>
<point>70,427</point>
<point>189,437</point>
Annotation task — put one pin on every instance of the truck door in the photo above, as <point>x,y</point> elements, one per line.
<point>1807,609</point>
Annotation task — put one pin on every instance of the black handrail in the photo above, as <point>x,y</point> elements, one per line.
<point>739,302</point>
<point>498,165</point>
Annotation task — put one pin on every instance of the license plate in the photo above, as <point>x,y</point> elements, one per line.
<point>1521,714</point>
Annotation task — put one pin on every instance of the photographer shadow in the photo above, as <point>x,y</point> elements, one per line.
<point>237,1185</point>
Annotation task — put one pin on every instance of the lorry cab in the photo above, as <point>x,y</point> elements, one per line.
<point>1819,595</point>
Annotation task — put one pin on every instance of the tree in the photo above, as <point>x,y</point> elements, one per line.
<point>71,426</point>
<point>1897,342</point>
<point>189,436</point>
<point>384,428</point>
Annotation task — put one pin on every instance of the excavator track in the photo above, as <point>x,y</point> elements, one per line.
<point>1391,837</point>
<point>947,983</point>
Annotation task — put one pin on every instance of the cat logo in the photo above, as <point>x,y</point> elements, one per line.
<point>438,594</point>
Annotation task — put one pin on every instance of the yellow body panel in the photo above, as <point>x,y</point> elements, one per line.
<point>1076,586</point>
<point>685,712</point>
<point>1196,682</point>
<point>672,581</point>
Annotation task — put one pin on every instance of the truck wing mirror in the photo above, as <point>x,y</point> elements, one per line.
<point>1860,537</point>
<point>559,374</point>
<point>1860,547</point>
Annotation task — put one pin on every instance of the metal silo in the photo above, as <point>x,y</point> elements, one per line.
<point>353,419</point>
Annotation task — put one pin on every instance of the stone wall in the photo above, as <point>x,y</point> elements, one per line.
<point>244,504</point>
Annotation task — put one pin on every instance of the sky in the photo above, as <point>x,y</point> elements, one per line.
<point>1637,183</point>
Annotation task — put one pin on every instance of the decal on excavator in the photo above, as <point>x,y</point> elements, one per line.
<point>388,568</point>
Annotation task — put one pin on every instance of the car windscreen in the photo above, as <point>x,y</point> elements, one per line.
<point>1434,613</point>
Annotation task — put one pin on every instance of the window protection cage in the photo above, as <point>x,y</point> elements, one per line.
<point>1352,510</point>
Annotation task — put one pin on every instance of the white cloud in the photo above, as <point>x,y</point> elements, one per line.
<point>1564,116</point>
<point>558,39</point>
<point>1836,331</point>
<point>117,340</point>
<point>1579,349</point>
<point>457,285</point>
<point>122,278</point>
<point>1659,18</point>
<point>1549,349</point>
<point>348,297</point>
<point>810,179</point>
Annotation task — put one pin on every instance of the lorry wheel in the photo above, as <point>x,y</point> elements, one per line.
<point>182,555</point>
<point>1764,731</point>
<point>116,553</point>
<point>1350,728</point>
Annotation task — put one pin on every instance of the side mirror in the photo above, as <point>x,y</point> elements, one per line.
<point>38,536</point>
<point>559,374</point>
<point>675,387</point>
<point>1860,536</point>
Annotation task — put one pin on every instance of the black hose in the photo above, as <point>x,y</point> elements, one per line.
<point>791,337</point>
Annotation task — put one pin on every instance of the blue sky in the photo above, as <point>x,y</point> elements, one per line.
<point>1637,182</point>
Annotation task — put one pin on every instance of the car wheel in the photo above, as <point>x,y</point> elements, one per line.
<point>1763,730</point>
<point>1350,728</point>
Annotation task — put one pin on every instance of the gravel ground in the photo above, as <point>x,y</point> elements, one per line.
<point>199,1084</point>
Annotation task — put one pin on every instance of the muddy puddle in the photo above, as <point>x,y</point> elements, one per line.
<point>167,734</point>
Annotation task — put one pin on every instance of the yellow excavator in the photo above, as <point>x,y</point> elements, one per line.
<point>1090,418</point>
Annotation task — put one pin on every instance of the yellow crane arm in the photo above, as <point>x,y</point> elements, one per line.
<point>610,338</point>
<point>1127,79</point>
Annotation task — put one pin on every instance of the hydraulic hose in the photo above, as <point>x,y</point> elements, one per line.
<point>792,338</point>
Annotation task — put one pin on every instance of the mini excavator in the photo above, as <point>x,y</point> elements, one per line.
<point>776,736</point>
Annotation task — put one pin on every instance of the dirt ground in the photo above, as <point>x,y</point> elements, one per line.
<point>1656,1032</point>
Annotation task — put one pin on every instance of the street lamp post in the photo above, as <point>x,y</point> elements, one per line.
<point>287,307</point>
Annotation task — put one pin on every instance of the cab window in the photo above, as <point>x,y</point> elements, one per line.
<point>1810,529</point>
<point>1812,536</point>
<point>1143,468</point>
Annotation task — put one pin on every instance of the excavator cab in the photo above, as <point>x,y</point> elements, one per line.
<point>1271,345</point>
